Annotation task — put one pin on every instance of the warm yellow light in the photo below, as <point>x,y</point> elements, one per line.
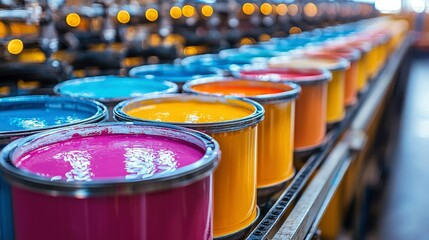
<point>73,19</point>
<point>274,7</point>
<point>264,37</point>
<point>207,11</point>
<point>293,9</point>
<point>151,14</point>
<point>281,9</point>
<point>295,30</point>
<point>248,8</point>
<point>188,11</point>
<point>310,9</point>
<point>155,40</point>
<point>266,9</point>
<point>15,46</point>
<point>123,17</point>
<point>176,12</point>
<point>247,41</point>
<point>190,50</point>
<point>3,29</point>
<point>174,39</point>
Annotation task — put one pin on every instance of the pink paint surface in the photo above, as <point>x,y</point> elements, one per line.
<point>182,213</point>
<point>109,156</point>
<point>283,74</point>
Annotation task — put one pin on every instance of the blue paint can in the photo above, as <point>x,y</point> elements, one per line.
<point>26,115</point>
<point>210,61</point>
<point>171,72</point>
<point>111,90</point>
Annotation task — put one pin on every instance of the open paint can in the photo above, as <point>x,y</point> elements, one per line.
<point>112,181</point>
<point>233,123</point>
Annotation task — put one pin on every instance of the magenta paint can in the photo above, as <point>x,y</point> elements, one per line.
<point>112,181</point>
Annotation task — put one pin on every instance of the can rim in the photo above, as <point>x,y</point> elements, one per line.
<point>162,67</point>
<point>209,58</point>
<point>158,182</point>
<point>341,63</point>
<point>322,76</point>
<point>211,127</point>
<point>352,55</point>
<point>99,115</point>
<point>250,53</point>
<point>286,95</point>
<point>171,87</point>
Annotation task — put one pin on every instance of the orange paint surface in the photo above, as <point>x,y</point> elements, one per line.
<point>241,88</point>
<point>189,112</point>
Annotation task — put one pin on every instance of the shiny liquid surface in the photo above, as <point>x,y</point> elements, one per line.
<point>237,88</point>
<point>36,118</point>
<point>112,87</point>
<point>189,112</point>
<point>305,63</point>
<point>109,156</point>
<point>282,73</point>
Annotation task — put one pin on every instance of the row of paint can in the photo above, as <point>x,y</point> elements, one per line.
<point>149,180</point>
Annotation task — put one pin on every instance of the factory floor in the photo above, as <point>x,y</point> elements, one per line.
<point>405,208</point>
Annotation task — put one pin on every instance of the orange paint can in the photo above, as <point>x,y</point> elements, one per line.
<point>352,74</point>
<point>275,133</point>
<point>310,112</point>
<point>232,122</point>
<point>335,110</point>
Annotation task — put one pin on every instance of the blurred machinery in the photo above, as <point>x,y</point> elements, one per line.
<point>44,42</point>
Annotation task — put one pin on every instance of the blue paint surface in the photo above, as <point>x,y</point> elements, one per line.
<point>110,87</point>
<point>36,112</point>
<point>171,72</point>
<point>245,55</point>
<point>212,61</point>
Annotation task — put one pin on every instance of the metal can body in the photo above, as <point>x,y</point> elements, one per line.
<point>310,107</point>
<point>335,110</point>
<point>235,182</point>
<point>363,73</point>
<point>275,133</point>
<point>310,116</point>
<point>145,216</point>
<point>351,88</point>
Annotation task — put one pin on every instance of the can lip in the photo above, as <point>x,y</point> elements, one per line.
<point>210,127</point>
<point>100,112</point>
<point>152,71</point>
<point>339,64</point>
<point>158,182</point>
<point>362,46</point>
<point>350,54</point>
<point>286,95</point>
<point>171,87</point>
<point>240,56</point>
<point>308,76</point>
<point>211,61</point>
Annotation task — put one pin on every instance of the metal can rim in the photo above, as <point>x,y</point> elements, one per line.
<point>211,127</point>
<point>99,115</point>
<point>286,95</point>
<point>172,88</point>
<point>323,76</point>
<point>159,182</point>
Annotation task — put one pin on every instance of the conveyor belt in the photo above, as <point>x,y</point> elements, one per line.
<point>357,116</point>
